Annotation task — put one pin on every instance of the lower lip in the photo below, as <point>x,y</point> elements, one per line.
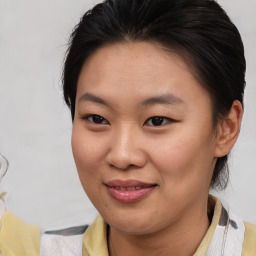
<point>129,196</point>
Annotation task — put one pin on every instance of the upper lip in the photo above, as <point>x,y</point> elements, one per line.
<point>128,183</point>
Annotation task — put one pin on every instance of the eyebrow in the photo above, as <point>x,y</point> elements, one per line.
<point>166,99</point>
<point>93,98</point>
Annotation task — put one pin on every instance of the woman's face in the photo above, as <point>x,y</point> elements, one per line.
<point>143,138</point>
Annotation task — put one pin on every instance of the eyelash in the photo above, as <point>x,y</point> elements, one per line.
<point>164,119</point>
<point>157,118</point>
<point>87,118</point>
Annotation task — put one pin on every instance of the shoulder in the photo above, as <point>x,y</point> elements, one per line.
<point>249,246</point>
<point>20,238</point>
<point>16,236</point>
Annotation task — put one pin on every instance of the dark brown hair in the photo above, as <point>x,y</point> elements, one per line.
<point>199,30</point>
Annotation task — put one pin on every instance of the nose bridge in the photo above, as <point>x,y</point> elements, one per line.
<point>126,149</point>
<point>124,137</point>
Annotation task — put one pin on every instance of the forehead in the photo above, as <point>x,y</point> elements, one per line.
<point>142,59</point>
<point>138,68</point>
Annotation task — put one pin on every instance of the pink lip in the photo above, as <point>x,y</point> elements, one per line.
<point>129,191</point>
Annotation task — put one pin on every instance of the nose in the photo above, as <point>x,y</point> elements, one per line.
<point>126,150</point>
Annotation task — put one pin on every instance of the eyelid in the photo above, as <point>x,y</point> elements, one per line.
<point>169,120</point>
<point>87,116</point>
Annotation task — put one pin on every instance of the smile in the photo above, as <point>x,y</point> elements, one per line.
<point>129,191</point>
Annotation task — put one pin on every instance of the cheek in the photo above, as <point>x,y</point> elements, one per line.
<point>184,159</point>
<point>87,153</point>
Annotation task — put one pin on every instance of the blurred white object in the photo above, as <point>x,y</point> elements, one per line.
<point>3,167</point>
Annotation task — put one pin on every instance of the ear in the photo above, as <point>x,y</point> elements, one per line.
<point>228,130</point>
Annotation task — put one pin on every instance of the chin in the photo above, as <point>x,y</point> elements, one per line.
<point>132,224</point>
<point>134,230</point>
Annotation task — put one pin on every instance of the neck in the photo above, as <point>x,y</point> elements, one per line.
<point>180,238</point>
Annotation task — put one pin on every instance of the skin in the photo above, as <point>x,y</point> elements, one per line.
<point>178,155</point>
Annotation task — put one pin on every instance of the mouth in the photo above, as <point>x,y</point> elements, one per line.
<point>129,191</point>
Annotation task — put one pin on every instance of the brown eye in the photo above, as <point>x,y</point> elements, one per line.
<point>96,119</point>
<point>158,121</point>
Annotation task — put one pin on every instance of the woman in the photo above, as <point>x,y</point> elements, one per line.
<point>155,89</point>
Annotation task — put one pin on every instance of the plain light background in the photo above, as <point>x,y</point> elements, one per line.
<point>42,184</point>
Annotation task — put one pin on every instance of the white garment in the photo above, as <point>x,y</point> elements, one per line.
<point>228,236</point>
<point>57,245</point>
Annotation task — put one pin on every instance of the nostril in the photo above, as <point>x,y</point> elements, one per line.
<point>124,156</point>
<point>122,167</point>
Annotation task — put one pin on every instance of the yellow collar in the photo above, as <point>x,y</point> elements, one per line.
<point>95,239</point>
<point>202,249</point>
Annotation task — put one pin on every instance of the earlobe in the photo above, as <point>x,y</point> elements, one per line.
<point>228,130</point>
